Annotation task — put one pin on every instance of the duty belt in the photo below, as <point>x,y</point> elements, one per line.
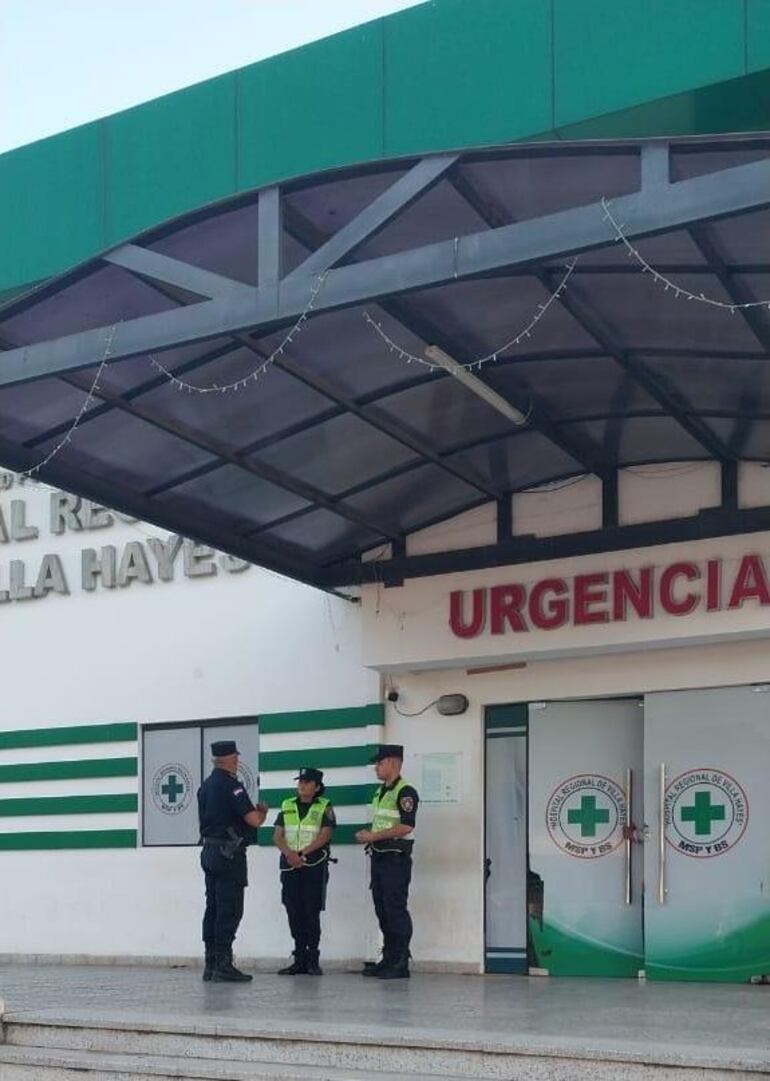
<point>228,846</point>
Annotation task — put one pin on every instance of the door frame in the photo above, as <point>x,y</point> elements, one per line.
<point>509,719</point>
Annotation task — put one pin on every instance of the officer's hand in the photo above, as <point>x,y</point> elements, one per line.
<point>294,859</point>
<point>263,807</point>
<point>364,837</point>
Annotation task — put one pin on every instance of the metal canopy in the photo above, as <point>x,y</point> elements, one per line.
<point>341,447</point>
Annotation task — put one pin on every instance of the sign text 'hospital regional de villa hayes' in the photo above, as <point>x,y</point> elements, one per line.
<point>677,589</point>
<point>110,566</point>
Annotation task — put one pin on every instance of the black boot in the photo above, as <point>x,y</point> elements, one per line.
<point>225,971</point>
<point>313,967</point>
<point>374,968</point>
<point>397,967</point>
<point>298,967</point>
<point>208,964</point>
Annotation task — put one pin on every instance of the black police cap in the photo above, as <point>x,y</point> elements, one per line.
<point>388,750</point>
<point>309,774</point>
<point>224,747</point>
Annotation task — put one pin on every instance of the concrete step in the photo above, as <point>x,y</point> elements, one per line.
<point>209,1048</point>
<point>55,1064</point>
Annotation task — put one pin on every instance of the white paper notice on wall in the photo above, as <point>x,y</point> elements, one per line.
<point>440,778</point>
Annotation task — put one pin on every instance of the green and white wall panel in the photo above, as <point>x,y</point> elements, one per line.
<point>69,788</point>
<point>77,787</point>
<point>338,741</point>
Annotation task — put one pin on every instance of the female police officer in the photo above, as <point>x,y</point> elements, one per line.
<point>303,831</point>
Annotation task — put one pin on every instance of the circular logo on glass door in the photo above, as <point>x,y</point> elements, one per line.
<point>246,774</point>
<point>706,813</point>
<point>172,788</point>
<point>586,814</point>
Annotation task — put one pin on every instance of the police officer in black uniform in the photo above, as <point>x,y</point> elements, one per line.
<point>226,816</point>
<point>303,832</point>
<point>389,841</point>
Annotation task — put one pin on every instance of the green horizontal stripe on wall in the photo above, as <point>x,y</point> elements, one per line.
<point>320,719</point>
<point>320,758</point>
<point>343,795</point>
<point>59,737</point>
<point>69,771</point>
<point>70,805</point>
<point>343,835</point>
<point>20,842</point>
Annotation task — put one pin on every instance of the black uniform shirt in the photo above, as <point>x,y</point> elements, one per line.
<point>329,819</point>
<point>222,802</point>
<point>408,801</point>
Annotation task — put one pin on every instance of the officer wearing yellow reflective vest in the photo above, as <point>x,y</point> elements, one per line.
<point>303,832</point>
<point>389,841</point>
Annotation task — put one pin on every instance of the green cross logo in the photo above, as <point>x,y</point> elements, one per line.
<point>706,812</point>
<point>588,816</point>
<point>703,813</point>
<point>585,815</point>
<point>171,789</point>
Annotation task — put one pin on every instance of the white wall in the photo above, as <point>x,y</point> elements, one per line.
<point>207,647</point>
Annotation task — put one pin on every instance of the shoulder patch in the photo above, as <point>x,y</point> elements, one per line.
<point>406,803</point>
<point>237,791</point>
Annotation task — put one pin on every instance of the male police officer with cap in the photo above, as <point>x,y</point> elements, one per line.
<point>226,814</point>
<point>303,831</point>
<point>389,841</point>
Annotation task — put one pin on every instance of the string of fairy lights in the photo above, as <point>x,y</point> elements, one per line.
<point>393,347</point>
<point>243,381</point>
<point>523,335</point>
<point>85,405</point>
<point>678,290</point>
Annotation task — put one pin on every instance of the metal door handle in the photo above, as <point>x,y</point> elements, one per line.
<point>627,832</point>
<point>662,837</point>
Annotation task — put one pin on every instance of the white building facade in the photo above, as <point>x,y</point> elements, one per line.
<point>113,628</point>
<point>602,796</point>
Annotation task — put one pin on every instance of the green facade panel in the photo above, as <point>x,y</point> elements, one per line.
<point>740,105</point>
<point>169,156</point>
<point>312,109</point>
<point>50,206</point>
<point>461,74</point>
<point>445,74</point>
<point>610,56</point>
<point>757,34</point>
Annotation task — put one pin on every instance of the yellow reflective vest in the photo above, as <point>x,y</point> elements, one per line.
<point>299,832</point>
<point>385,814</point>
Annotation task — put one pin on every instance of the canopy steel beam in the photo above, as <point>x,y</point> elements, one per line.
<point>392,202</point>
<point>712,523</point>
<point>162,268</point>
<point>643,213</point>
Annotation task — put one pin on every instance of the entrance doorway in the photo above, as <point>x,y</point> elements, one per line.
<point>646,850</point>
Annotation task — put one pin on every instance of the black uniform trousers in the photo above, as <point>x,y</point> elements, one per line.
<point>225,883</point>
<point>303,892</point>
<point>391,874</point>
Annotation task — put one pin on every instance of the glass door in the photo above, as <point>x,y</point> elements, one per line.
<point>707,857</point>
<point>585,877</point>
